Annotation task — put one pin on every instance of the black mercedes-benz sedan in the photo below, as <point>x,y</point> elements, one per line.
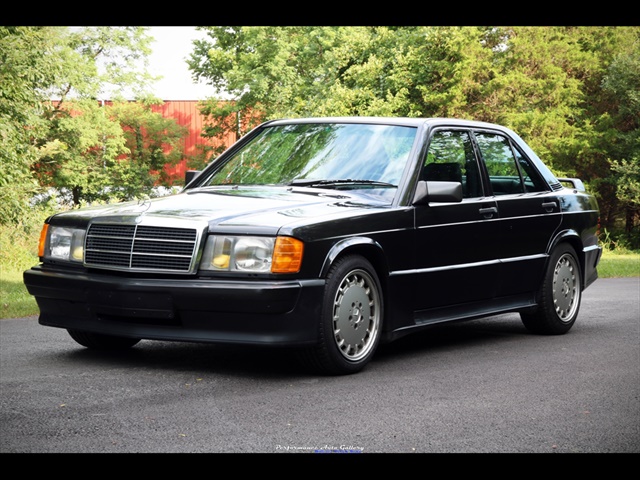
<point>328,235</point>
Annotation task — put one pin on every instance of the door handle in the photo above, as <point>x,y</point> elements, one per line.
<point>549,206</point>
<point>488,212</point>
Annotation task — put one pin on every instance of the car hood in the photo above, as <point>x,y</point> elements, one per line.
<point>234,209</point>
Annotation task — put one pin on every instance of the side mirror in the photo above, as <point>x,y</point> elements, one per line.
<point>190,175</point>
<point>437,192</point>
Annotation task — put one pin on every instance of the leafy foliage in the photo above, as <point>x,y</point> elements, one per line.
<point>80,145</point>
<point>55,130</point>
<point>622,84</point>
<point>27,68</point>
<point>152,141</point>
<point>570,92</point>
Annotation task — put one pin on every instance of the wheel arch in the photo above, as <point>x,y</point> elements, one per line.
<point>572,238</point>
<point>365,246</point>
<point>349,329</point>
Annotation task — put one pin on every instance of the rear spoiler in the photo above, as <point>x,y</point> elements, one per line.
<point>575,183</point>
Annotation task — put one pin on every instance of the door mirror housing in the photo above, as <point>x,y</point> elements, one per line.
<point>437,192</point>
<point>190,175</point>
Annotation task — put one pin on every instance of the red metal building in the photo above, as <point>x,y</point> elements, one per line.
<point>185,112</point>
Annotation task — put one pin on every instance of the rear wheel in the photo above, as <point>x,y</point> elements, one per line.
<point>351,318</point>
<point>98,341</point>
<point>559,295</point>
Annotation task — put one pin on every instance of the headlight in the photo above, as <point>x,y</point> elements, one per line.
<point>61,243</point>
<point>252,254</point>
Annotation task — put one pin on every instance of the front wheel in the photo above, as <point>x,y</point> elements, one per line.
<point>98,341</point>
<point>559,295</point>
<point>351,319</point>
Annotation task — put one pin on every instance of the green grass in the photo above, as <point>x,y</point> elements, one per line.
<point>619,265</point>
<point>16,301</point>
<point>18,252</point>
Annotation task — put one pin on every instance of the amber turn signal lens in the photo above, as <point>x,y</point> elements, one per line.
<point>43,239</point>
<point>287,255</point>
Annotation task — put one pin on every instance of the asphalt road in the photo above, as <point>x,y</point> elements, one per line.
<point>484,386</point>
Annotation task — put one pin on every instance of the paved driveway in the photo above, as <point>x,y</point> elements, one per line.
<point>481,386</point>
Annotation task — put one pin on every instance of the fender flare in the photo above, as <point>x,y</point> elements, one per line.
<point>568,235</point>
<point>573,238</point>
<point>344,245</point>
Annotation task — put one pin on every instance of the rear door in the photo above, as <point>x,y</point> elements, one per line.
<point>529,212</point>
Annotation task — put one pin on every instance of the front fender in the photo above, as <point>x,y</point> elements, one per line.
<point>343,245</point>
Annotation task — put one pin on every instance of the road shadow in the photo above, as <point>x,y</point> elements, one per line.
<point>243,361</point>
<point>278,363</point>
<point>454,335</point>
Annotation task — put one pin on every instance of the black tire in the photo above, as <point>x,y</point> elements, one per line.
<point>98,341</point>
<point>351,319</point>
<point>559,295</point>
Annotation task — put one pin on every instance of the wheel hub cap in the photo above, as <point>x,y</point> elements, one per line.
<point>565,288</point>
<point>355,316</point>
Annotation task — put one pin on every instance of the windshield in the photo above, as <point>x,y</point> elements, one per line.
<point>343,156</point>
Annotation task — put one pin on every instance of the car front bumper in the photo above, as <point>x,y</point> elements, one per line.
<point>198,310</point>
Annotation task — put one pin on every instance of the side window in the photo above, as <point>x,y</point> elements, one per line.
<point>450,158</point>
<point>533,181</point>
<point>501,164</point>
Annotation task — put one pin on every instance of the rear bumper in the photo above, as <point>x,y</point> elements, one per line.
<point>198,310</point>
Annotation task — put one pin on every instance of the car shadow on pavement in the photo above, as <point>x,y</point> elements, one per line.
<point>275,363</point>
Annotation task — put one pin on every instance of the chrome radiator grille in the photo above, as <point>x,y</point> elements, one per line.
<point>141,247</point>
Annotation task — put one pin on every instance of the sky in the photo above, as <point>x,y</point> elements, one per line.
<point>171,47</point>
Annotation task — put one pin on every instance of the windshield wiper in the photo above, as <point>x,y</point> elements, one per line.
<point>303,182</point>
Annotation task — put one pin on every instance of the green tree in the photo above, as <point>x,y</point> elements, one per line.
<point>505,75</point>
<point>152,142</point>
<point>296,71</point>
<point>80,147</point>
<point>622,83</point>
<point>564,89</point>
<point>28,66</point>
<point>83,150</point>
<point>56,126</point>
<point>103,63</point>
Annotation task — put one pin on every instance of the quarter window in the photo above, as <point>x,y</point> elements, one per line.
<point>533,181</point>
<point>500,161</point>
<point>509,171</point>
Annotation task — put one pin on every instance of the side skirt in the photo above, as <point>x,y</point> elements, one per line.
<point>467,311</point>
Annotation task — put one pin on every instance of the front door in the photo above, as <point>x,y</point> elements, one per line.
<point>458,243</point>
